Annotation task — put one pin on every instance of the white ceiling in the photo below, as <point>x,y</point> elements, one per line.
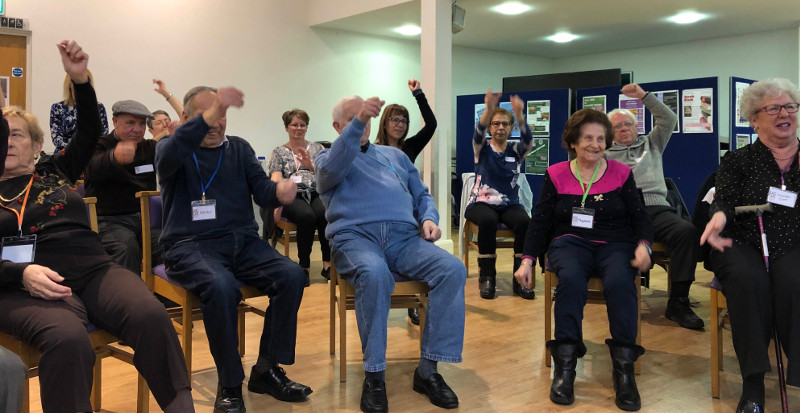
<point>604,25</point>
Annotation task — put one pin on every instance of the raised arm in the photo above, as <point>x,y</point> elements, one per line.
<point>161,89</point>
<point>664,119</point>
<point>415,144</point>
<point>525,145</point>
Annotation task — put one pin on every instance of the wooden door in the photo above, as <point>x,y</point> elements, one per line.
<point>13,54</point>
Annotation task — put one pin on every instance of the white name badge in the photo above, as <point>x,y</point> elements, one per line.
<point>204,210</point>
<point>510,159</point>
<point>782,197</point>
<point>297,179</point>
<point>19,249</point>
<point>143,169</point>
<point>583,218</point>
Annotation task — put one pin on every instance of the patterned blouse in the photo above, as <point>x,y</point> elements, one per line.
<point>64,121</point>
<point>285,162</point>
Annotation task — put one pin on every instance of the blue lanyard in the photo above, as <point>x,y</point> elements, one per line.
<point>389,165</point>
<point>203,187</point>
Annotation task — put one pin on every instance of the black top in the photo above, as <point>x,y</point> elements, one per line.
<point>115,185</point>
<point>55,212</point>
<point>744,178</point>
<point>414,145</point>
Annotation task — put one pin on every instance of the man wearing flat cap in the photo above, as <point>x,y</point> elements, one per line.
<point>121,166</point>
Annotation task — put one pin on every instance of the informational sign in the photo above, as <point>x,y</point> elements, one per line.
<point>636,107</point>
<point>595,102</point>
<point>539,117</point>
<point>741,121</point>
<point>742,140</point>
<point>538,158</point>
<point>697,110</point>
<point>16,71</point>
<point>670,99</point>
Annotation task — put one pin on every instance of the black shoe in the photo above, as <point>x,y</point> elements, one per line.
<point>565,357</point>
<point>326,273</point>
<point>373,397</point>
<point>439,393</point>
<point>308,278</point>
<point>413,316</point>
<point>487,285</point>
<point>523,292</point>
<point>747,406</point>
<point>679,310</point>
<point>623,357</point>
<point>229,400</point>
<point>275,383</point>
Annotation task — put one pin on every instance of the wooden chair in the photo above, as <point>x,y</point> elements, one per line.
<point>288,228</point>
<point>104,345</point>
<point>407,294</point>
<point>156,279</point>
<point>660,257</point>
<point>719,313</point>
<point>595,297</point>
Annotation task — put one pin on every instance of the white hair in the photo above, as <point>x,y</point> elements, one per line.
<point>625,112</point>
<point>753,96</point>
<point>338,108</point>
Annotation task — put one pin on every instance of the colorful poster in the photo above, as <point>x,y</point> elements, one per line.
<point>636,107</point>
<point>697,110</point>
<point>595,102</point>
<point>480,107</point>
<point>539,117</point>
<point>670,99</point>
<point>538,158</point>
<point>740,120</point>
<point>742,140</point>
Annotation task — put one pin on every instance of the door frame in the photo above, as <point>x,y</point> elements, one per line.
<point>28,62</point>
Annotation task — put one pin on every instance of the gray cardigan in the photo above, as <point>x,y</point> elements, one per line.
<point>644,154</point>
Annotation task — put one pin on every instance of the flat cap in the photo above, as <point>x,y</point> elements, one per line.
<point>131,107</point>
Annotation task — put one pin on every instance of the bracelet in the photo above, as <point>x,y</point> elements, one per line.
<point>170,95</point>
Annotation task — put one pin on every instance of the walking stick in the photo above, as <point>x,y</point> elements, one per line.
<point>759,210</point>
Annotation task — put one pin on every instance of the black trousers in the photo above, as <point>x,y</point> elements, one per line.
<point>114,299</point>
<point>308,216</point>
<point>681,238</point>
<point>759,300</point>
<point>487,218</point>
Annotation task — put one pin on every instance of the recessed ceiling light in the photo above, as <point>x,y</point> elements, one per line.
<point>687,17</point>
<point>562,37</point>
<point>511,8</point>
<point>409,30</point>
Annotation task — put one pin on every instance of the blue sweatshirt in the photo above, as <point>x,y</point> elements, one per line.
<point>239,176</point>
<point>378,185</point>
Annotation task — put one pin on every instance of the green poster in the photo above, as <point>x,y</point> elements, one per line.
<point>538,159</point>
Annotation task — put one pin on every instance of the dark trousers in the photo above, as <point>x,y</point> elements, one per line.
<point>575,260</point>
<point>487,218</point>
<point>121,236</point>
<point>757,300</point>
<point>114,300</point>
<point>212,269</point>
<point>308,217</point>
<point>681,238</point>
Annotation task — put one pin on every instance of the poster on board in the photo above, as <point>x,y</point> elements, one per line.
<point>742,140</point>
<point>741,121</point>
<point>539,117</point>
<point>670,99</point>
<point>595,102</point>
<point>481,107</point>
<point>636,107</point>
<point>538,158</point>
<point>697,110</point>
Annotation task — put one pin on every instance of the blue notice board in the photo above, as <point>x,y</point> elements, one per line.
<point>738,126</point>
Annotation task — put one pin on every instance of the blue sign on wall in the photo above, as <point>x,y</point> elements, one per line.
<point>16,72</point>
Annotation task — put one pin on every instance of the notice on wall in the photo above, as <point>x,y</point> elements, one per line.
<point>538,158</point>
<point>595,102</point>
<point>636,107</point>
<point>742,140</point>
<point>539,117</point>
<point>697,110</point>
<point>670,99</point>
<point>481,107</point>
<point>4,85</point>
<point>741,121</point>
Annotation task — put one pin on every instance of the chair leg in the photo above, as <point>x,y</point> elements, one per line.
<point>637,365</point>
<point>716,345</point>
<point>342,332</point>
<point>286,238</point>
<point>241,331</point>
<point>465,241</point>
<point>423,313</point>
<point>332,294</point>
<point>548,315</point>
<point>186,316</point>
<point>143,396</point>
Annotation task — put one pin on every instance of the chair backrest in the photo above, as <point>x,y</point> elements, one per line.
<point>675,199</point>
<point>151,211</point>
<point>700,219</point>
<point>91,210</point>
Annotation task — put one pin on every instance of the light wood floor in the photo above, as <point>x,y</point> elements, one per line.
<point>503,368</point>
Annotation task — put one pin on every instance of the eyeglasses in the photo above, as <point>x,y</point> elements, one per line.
<point>498,124</point>
<point>776,109</point>
<point>298,126</point>
<point>399,121</point>
<point>623,125</point>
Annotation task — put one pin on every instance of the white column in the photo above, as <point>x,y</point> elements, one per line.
<point>437,62</point>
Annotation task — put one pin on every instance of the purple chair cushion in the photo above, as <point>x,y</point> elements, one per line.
<point>715,284</point>
<point>502,227</point>
<point>400,278</point>
<point>160,271</point>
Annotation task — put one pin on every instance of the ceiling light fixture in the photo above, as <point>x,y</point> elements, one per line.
<point>511,8</point>
<point>687,17</point>
<point>409,30</point>
<point>562,37</point>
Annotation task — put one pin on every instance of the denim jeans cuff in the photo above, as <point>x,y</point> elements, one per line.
<point>443,359</point>
<point>372,369</point>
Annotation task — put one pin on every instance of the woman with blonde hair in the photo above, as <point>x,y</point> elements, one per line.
<point>64,116</point>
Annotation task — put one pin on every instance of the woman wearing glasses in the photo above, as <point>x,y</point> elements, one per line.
<point>760,297</point>
<point>495,196</point>
<point>294,160</point>
<point>394,125</point>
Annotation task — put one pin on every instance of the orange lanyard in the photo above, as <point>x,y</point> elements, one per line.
<point>21,213</point>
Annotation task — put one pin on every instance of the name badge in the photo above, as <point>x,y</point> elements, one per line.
<point>19,249</point>
<point>204,210</point>
<point>143,169</point>
<point>583,218</point>
<point>782,197</point>
<point>511,159</point>
<point>296,179</point>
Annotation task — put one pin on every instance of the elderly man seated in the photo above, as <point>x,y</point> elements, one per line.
<point>375,205</point>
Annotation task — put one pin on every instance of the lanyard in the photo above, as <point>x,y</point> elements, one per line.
<point>22,211</point>
<point>203,187</point>
<point>783,171</point>
<point>589,186</point>
<point>389,165</point>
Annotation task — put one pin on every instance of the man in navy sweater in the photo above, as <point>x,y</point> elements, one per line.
<point>375,205</point>
<point>211,244</point>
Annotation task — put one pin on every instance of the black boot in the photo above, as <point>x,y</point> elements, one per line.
<point>488,276</point>
<point>565,357</point>
<point>523,292</point>
<point>622,358</point>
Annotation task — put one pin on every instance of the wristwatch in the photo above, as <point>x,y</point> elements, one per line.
<point>649,250</point>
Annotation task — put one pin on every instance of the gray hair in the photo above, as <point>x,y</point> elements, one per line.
<point>754,95</point>
<point>625,112</point>
<point>338,108</point>
<point>158,112</point>
<point>190,95</point>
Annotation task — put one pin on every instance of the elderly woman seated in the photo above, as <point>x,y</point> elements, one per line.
<point>591,214</point>
<point>55,276</point>
<point>760,286</point>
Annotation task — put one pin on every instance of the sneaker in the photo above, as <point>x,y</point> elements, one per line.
<point>680,311</point>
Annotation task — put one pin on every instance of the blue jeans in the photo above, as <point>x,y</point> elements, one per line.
<point>575,260</point>
<point>366,255</point>
<point>212,269</point>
